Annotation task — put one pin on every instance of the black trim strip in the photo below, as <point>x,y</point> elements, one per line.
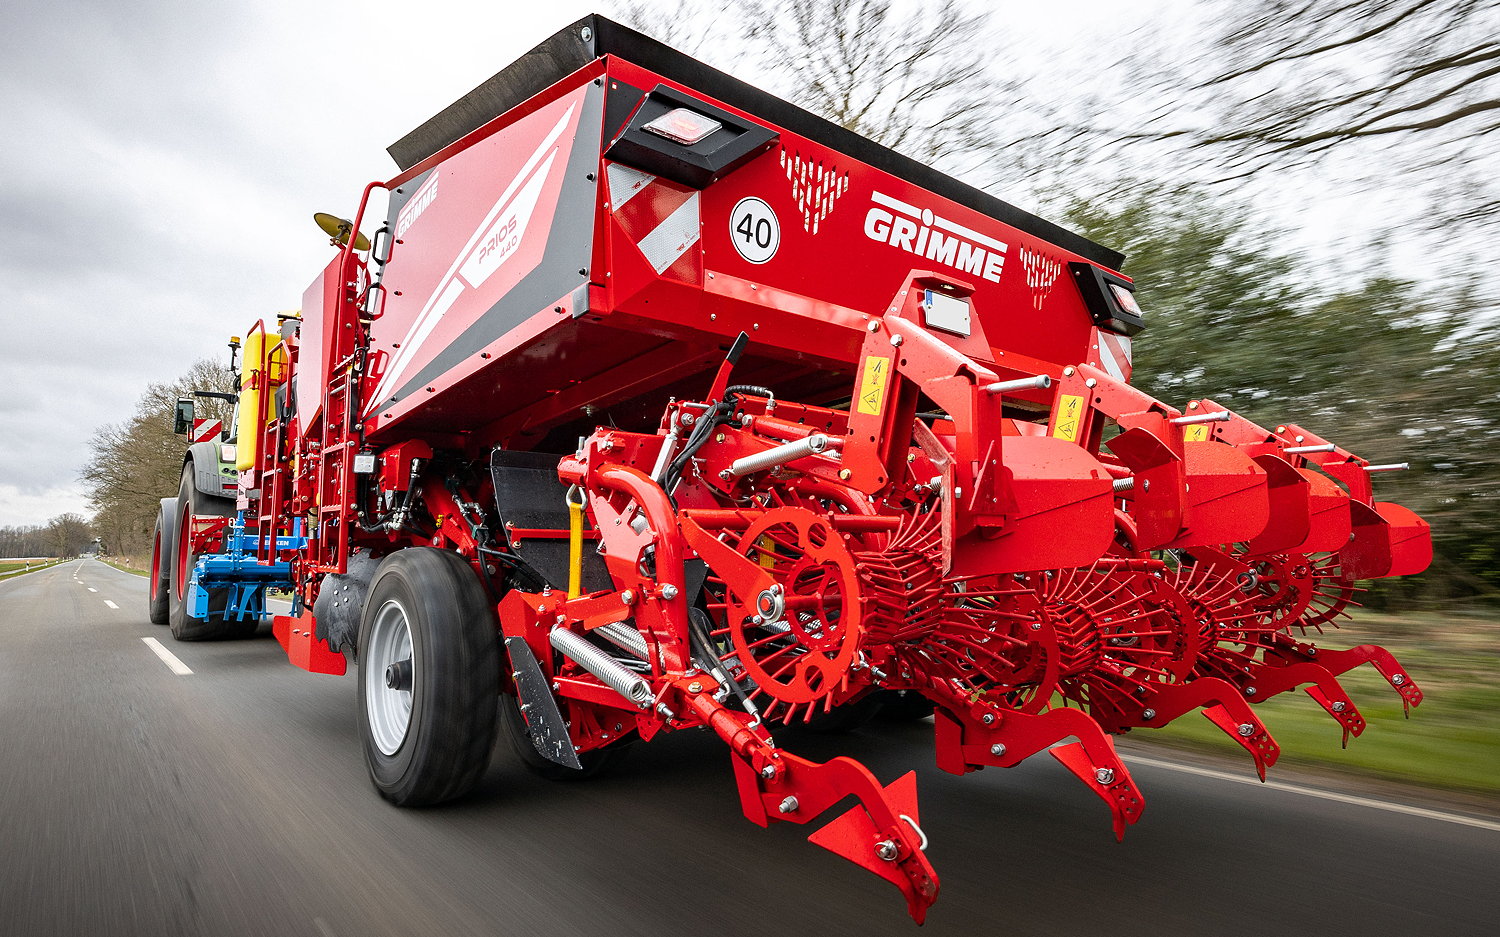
<point>568,50</point>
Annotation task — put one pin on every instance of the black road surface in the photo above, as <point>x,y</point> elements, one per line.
<point>234,801</point>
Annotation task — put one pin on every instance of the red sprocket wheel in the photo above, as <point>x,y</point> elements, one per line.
<point>977,637</point>
<point>1279,585</point>
<point>1212,586</point>
<point>1297,591</point>
<point>797,635</point>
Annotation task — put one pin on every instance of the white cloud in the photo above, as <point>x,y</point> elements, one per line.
<point>162,162</point>
<point>19,509</point>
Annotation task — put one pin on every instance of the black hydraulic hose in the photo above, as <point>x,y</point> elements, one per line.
<point>702,430</point>
<point>716,415</point>
<point>382,520</point>
<point>710,661</point>
<point>753,390</point>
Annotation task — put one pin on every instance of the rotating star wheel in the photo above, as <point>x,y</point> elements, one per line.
<point>994,640</point>
<point>1332,594</point>
<point>1279,585</point>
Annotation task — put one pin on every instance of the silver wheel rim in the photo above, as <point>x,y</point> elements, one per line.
<point>388,708</point>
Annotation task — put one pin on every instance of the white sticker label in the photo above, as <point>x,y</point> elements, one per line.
<point>754,230</point>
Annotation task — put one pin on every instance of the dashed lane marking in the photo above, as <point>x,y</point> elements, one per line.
<point>108,602</point>
<point>1423,812</point>
<point>91,588</point>
<point>168,658</point>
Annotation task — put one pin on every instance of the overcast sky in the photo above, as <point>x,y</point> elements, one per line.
<point>162,160</point>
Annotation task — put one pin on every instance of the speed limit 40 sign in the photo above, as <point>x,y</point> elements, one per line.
<point>754,230</point>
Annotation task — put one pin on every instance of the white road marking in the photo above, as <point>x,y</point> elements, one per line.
<point>91,589</point>
<point>1357,801</point>
<point>108,602</point>
<point>168,658</point>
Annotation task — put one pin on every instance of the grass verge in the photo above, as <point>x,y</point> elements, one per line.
<point>1451,741</point>
<point>9,570</point>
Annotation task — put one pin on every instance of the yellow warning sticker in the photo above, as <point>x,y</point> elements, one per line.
<point>1069,415</point>
<point>872,385</point>
<point>1196,433</point>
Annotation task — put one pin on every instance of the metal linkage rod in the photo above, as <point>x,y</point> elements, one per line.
<point>1217,416</point>
<point>668,449</point>
<point>1299,450</point>
<point>1389,467</point>
<point>1040,382</point>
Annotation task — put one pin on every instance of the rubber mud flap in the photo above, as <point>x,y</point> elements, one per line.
<point>544,721</point>
<point>341,602</point>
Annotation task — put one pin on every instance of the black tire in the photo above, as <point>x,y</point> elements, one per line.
<point>452,677</point>
<point>212,626</point>
<point>159,580</point>
<point>904,705</point>
<point>516,733</point>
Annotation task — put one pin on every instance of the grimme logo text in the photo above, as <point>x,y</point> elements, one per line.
<point>918,231</point>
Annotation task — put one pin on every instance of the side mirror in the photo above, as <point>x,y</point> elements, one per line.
<point>182,417</point>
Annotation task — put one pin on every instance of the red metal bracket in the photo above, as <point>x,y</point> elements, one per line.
<point>967,741</point>
<point>879,833</point>
<point>303,648</point>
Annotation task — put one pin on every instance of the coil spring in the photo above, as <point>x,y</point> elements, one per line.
<point>597,662</point>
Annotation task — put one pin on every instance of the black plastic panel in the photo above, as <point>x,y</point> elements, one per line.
<point>696,165</point>
<point>528,494</point>
<point>1106,311</point>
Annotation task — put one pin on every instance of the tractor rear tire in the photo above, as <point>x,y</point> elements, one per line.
<point>429,677</point>
<point>514,723</point>
<point>159,582</point>
<point>191,501</point>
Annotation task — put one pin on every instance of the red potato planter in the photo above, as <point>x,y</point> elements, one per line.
<point>657,403</point>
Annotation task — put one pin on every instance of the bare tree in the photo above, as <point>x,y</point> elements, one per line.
<point>1362,70</point>
<point>914,76</point>
<point>1406,87</point>
<point>68,534</point>
<point>137,462</point>
<point>25,541</point>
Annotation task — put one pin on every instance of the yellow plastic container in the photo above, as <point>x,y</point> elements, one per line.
<point>262,370</point>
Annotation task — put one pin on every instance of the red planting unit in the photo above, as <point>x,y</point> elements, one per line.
<point>658,403</point>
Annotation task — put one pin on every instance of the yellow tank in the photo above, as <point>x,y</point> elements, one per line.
<point>262,370</point>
